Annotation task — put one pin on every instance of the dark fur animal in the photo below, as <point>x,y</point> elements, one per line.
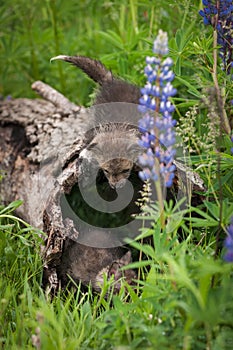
<point>92,266</point>
<point>111,89</point>
<point>112,146</point>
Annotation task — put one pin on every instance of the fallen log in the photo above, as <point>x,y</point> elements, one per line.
<point>55,156</point>
<point>39,149</point>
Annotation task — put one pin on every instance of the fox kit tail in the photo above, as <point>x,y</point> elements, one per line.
<point>111,89</point>
<point>93,68</point>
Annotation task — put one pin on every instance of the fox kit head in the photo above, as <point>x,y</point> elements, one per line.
<point>117,171</point>
<point>116,152</point>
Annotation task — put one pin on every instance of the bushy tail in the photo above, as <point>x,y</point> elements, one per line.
<point>112,89</point>
<point>93,68</point>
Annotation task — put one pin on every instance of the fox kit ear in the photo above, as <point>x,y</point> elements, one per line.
<point>115,270</point>
<point>116,266</point>
<point>126,259</point>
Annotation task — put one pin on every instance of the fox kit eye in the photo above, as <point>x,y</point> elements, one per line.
<point>125,171</point>
<point>106,171</point>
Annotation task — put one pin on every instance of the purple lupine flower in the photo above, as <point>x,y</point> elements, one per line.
<point>219,14</point>
<point>157,125</point>
<point>228,244</point>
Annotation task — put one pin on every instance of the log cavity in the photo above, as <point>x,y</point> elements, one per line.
<point>103,216</point>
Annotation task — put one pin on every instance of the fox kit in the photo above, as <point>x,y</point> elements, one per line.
<point>93,266</point>
<point>113,144</point>
<point>114,149</point>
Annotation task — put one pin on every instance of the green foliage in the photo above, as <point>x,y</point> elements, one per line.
<point>32,33</point>
<point>184,303</point>
<point>183,298</point>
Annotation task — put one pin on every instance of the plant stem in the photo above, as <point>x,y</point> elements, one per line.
<point>220,100</point>
<point>133,8</point>
<point>152,16</point>
<point>122,20</point>
<point>12,217</point>
<point>224,123</point>
<point>186,12</point>
<point>160,200</point>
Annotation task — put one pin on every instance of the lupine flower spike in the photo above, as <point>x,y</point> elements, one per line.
<point>229,240</point>
<point>219,14</point>
<point>157,125</point>
<point>228,244</point>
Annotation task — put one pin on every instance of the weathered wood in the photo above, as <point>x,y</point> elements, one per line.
<point>40,144</point>
<point>39,148</point>
<point>35,135</point>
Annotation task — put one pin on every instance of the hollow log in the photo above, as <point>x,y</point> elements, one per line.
<point>40,141</point>
<point>40,145</point>
<point>30,136</point>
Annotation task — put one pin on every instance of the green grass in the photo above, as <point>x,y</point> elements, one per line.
<point>183,303</point>
<point>32,33</point>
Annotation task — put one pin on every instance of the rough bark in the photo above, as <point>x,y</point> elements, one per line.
<point>40,142</point>
<point>32,152</point>
<point>31,147</point>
